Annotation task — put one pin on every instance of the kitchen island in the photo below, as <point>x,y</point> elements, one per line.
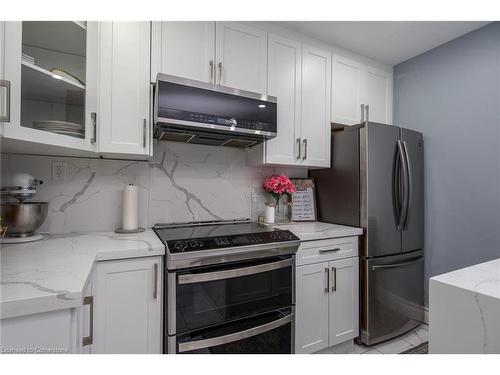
<point>464,310</point>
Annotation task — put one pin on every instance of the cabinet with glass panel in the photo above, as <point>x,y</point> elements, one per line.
<point>50,69</point>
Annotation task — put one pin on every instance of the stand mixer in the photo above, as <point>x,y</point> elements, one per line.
<point>20,218</point>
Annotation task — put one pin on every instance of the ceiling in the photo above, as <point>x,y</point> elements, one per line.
<point>388,42</point>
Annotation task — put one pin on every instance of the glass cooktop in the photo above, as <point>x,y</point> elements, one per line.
<point>187,237</point>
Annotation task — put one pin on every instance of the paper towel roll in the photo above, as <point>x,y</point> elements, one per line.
<point>130,207</point>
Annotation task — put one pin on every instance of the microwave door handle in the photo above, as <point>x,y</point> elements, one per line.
<point>229,274</point>
<point>232,337</point>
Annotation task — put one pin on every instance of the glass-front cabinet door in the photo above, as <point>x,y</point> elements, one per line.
<point>51,67</point>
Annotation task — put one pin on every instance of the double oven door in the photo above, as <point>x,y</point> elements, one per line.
<point>243,307</point>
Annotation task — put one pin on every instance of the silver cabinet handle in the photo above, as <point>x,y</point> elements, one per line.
<point>220,72</point>
<point>326,251</point>
<point>211,70</point>
<point>144,124</point>
<point>305,149</point>
<point>334,287</point>
<point>327,288</point>
<point>367,109</point>
<point>395,265</point>
<point>298,148</point>
<point>232,337</point>
<point>6,117</point>
<point>155,278</point>
<point>362,113</point>
<point>229,274</point>
<point>88,340</point>
<point>93,117</point>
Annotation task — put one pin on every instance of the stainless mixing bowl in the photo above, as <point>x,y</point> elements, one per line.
<point>22,219</point>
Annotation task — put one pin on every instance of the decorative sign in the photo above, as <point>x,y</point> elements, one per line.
<point>304,200</point>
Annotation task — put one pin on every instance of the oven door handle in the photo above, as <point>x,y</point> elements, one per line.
<point>229,274</point>
<point>226,339</point>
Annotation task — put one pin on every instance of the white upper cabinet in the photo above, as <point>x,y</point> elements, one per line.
<point>241,57</point>
<point>354,84</point>
<point>127,300</point>
<point>124,98</point>
<point>284,82</point>
<point>51,69</point>
<point>184,49</point>
<point>315,109</point>
<point>346,90</point>
<point>300,77</point>
<point>378,95</point>
<point>223,53</point>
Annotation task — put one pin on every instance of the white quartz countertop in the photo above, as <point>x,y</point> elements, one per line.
<point>51,274</point>
<point>464,310</point>
<point>315,230</point>
<point>483,278</point>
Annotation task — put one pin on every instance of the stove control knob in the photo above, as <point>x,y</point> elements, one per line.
<point>275,235</point>
<point>195,244</point>
<point>180,246</point>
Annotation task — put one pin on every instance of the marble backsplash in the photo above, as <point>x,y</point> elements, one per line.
<point>180,183</point>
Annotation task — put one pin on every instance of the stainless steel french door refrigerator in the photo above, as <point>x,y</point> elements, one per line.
<point>376,182</point>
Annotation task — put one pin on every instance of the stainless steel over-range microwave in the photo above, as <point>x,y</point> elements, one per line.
<point>202,113</point>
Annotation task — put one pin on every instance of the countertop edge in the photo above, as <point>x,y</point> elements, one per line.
<point>21,307</point>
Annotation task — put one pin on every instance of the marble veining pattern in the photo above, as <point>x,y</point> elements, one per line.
<point>309,231</point>
<point>474,294</point>
<point>89,199</point>
<point>51,274</point>
<point>180,183</point>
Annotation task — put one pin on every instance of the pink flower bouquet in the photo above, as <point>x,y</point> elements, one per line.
<point>278,186</point>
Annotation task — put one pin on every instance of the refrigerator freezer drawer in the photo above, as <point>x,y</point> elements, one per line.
<point>393,296</point>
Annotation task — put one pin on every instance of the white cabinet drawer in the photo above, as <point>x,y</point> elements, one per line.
<point>326,250</point>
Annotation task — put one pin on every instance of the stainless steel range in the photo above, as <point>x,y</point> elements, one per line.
<point>229,287</point>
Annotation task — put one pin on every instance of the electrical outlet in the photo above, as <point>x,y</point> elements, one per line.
<point>58,171</point>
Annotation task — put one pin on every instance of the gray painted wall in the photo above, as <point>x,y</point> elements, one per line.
<point>451,94</point>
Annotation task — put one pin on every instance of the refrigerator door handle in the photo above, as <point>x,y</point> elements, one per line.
<point>395,188</point>
<point>395,265</point>
<point>409,184</point>
<point>406,187</point>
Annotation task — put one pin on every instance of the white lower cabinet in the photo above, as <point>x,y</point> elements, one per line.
<point>53,332</point>
<point>327,303</point>
<point>344,301</point>
<point>311,325</point>
<point>127,300</point>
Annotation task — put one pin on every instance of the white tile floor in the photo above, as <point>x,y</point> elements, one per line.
<point>394,346</point>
